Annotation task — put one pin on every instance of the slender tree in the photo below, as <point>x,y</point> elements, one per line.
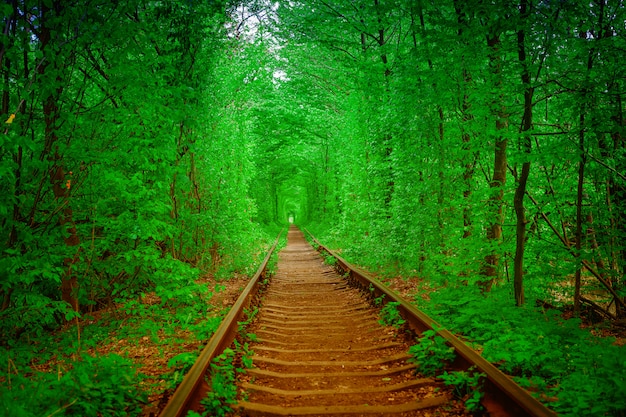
<point>526,143</point>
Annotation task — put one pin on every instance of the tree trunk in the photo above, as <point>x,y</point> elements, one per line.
<point>579,204</point>
<point>468,160</point>
<point>518,200</point>
<point>585,93</point>
<point>60,184</point>
<point>494,230</point>
<point>386,145</point>
<point>61,188</point>
<point>440,129</point>
<point>617,191</point>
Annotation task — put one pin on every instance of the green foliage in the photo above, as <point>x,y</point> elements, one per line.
<point>250,315</point>
<point>94,386</point>
<point>468,386</point>
<point>245,355</point>
<point>223,392</point>
<point>154,321</point>
<point>242,325</point>
<point>203,327</point>
<point>272,264</point>
<point>390,315</point>
<point>597,372</point>
<point>147,143</point>
<point>149,177</point>
<point>180,365</point>
<point>431,353</point>
<point>553,356</point>
<point>378,301</point>
<point>329,259</point>
<point>409,188</point>
<point>33,314</point>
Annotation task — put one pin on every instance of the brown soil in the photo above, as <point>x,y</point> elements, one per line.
<point>320,350</point>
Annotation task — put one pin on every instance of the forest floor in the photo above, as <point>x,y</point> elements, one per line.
<point>152,358</point>
<point>151,348</point>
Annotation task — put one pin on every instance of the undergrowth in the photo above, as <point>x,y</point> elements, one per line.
<point>144,335</point>
<point>64,374</point>
<point>223,393</point>
<point>390,316</point>
<point>431,354</point>
<point>94,386</point>
<point>329,259</point>
<point>180,365</point>
<point>573,371</point>
<point>468,386</point>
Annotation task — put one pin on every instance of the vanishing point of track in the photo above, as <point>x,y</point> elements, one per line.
<point>319,350</point>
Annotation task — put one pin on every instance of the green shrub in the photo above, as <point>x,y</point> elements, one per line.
<point>95,386</point>
<point>245,354</point>
<point>556,356</point>
<point>223,391</point>
<point>329,259</point>
<point>468,386</point>
<point>431,353</point>
<point>390,316</point>
<point>180,365</point>
<point>601,374</point>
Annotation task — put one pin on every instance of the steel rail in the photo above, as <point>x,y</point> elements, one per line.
<point>186,394</point>
<point>503,397</point>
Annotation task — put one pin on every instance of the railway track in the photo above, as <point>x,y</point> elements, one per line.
<point>318,348</point>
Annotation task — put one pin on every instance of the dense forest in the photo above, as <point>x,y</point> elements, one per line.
<point>152,150</point>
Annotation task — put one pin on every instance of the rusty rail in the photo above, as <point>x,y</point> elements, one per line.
<point>503,397</point>
<point>193,386</point>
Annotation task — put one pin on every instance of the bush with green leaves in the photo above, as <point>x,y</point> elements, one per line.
<point>468,386</point>
<point>378,301</point>
<point>431,353</point>
<point>223,392</point>
<point>244,354</point>
<point>329,259</point>
<point>180,365</point>
<point>94,386</point>
<point>558,358</point>
<point>600,374</point>
<point>390,315</point>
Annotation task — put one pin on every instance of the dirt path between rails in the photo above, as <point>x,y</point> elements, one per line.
<point>320,350</point>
